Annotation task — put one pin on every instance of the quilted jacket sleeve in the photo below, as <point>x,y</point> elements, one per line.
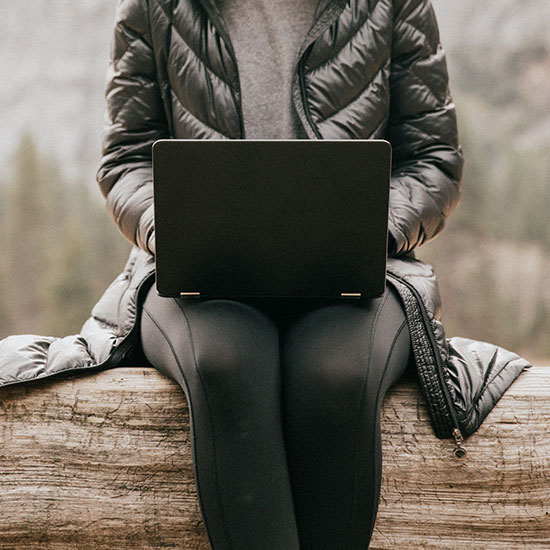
<point>427,162</point>
<point>135,118</point>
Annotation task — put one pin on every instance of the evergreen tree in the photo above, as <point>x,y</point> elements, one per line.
<point>59,249</point>
<point>4,321</point>
<point>28,239</point>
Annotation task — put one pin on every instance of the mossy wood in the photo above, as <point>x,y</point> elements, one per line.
<point>103,460</point>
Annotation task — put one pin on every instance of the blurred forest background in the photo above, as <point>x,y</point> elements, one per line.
<point>59,250</point>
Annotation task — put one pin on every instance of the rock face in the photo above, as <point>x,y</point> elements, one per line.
<point>469,24</point>
<point>499,60</point>
<point>55,53</point>
<point>103,461</point>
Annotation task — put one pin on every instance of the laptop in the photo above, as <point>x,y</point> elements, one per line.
<point>270,218</point>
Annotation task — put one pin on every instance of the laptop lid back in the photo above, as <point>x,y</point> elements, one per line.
<point>245,218</point>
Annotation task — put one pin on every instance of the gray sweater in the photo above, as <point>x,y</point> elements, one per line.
<point>266,36</point>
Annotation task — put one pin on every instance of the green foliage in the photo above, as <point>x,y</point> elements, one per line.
<point>527,193</point>
<point>506,189</point>
<point>52,267</point>
<point>494,254</point>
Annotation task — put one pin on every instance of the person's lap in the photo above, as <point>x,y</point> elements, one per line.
<point>284,398</point>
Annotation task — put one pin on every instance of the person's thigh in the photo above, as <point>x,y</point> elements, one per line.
<point>338,361</point>
<point>225,355</point>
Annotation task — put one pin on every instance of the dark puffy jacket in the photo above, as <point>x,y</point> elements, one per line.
<point>367,69</point>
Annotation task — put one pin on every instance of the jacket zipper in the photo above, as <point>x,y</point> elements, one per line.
<point>453,428</point>
<point>302,80</point>
<point>324,17</point>
<point>212,11</point>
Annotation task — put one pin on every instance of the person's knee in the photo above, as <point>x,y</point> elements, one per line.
<point>339,382</point>
<point>328,362</point>
<point>233,344</point>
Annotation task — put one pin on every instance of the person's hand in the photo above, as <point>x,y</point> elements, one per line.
<point>145,235</point>
<point>392,245</point>
<point>151,243</point>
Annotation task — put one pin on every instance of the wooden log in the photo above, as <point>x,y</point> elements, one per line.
<point>103,460</point>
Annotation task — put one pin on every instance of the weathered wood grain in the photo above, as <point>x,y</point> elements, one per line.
<point>496,498</point>
<point>103,460</point>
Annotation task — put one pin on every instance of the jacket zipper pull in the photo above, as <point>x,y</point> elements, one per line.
<point>459,450</point>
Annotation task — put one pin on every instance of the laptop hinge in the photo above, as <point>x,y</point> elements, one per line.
<point>190,294</point>
<point>350,295</point>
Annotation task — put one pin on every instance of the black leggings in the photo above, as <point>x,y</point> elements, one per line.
<point>285,403</point>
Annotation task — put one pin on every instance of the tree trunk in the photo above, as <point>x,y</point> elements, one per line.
<point>103,460</point>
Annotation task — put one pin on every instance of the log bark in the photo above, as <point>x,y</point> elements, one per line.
<point>103,461</point>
